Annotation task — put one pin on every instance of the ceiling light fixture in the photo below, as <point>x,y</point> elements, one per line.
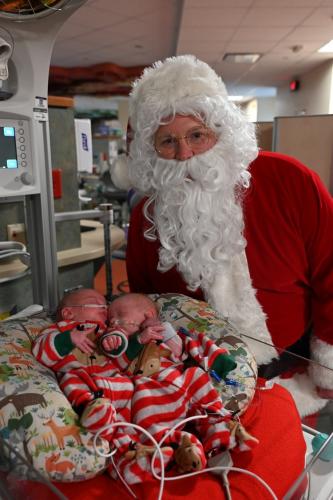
<point>235,98</point>
<point>247,58</point>
<point>328,47</point>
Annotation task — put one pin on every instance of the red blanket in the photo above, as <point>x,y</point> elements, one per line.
<point>278,460</point>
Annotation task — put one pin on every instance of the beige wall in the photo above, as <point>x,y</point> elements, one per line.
<point>123,112</point>
<point>313,97</point>
<point>309,139</point>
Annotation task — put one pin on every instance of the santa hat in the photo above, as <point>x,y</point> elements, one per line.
<point>170,86</point>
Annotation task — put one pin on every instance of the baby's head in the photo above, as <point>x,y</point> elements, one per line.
<point>129,311</point>
<point>84,304</point>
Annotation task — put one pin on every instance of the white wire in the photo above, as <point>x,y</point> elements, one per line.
<point>158,450</point>
<point>147,434</point>
<point>122,479</point>
<point>226,468</point>
<point>182,423</point>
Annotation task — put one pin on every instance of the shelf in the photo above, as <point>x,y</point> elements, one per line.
<point>92,247</point>
<point>60,102</point>
<point>108,137</point>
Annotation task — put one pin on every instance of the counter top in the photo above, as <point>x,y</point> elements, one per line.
<point>92,247</point>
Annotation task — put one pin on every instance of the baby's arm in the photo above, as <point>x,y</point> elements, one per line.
<point>57,341</point>
<point>113,343</point>
<point>208,355</point>
<point>172,339</point>
<point>154,329</point>
<point>80,339</point>
<point>151,330</point>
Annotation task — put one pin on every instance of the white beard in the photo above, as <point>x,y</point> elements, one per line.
<point>200,224</point>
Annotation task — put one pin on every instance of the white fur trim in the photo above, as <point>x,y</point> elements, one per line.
<point>304,393</point>
<point>233,296</point>
<point>321,352</point>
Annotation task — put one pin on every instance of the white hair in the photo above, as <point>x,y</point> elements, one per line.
<point>197,213</point>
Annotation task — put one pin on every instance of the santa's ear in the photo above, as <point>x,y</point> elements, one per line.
<point>66,313</point>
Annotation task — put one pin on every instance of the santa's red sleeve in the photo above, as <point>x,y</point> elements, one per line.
<point>320,254</point>
<point>289,230</point>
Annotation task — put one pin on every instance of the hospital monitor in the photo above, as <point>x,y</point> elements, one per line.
<point>16,168</point>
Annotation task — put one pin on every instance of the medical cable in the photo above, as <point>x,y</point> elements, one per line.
<point>222,468</point>
<point>147,434</point>
<point>242,334</point>
<point>158,450</point>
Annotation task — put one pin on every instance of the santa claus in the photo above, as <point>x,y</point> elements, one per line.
<point>250,233</point>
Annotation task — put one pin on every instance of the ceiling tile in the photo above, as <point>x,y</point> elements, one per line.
<point>321,17</point>
<point>211,34</point>
<point>250,46</point>
<point>275,16</point>
<point>207,18</point>
<point>264,34</point>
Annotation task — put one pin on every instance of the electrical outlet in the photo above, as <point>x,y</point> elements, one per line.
<point>16,232</point>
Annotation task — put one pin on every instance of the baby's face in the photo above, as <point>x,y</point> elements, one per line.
<point>128,318</point>
<point>90,306</point>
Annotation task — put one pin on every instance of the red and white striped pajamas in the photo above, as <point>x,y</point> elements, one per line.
<point>156,403</point>
<point>83,384</point>
<point>174,393</point>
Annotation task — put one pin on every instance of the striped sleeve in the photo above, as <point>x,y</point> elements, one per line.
<point>46,348</point>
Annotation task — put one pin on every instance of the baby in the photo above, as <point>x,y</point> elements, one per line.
<point>171,389</point>
<point>94,383</point>
<point>133,321</point>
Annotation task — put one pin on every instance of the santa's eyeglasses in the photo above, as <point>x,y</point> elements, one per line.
<point>197,140</point>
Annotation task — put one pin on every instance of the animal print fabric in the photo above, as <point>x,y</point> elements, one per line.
<point>197,316</point>
<point>35,416</point>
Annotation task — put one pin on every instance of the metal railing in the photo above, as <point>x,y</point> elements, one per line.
<point>104,213</point>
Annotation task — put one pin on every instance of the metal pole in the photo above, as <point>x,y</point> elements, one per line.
<point>78,215</point>
<point>307,469</point>
<point>107,220</point>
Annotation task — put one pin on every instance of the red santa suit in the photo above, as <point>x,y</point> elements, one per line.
<point>288,217</point>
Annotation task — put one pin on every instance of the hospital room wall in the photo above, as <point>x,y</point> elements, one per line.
<point>314,97</point>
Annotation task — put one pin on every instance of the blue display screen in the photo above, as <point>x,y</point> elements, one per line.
<point>8,155</point>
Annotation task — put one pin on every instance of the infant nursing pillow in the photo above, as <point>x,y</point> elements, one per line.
<point>35,416</point>
<point>197,316</point>
<point>38,420</point>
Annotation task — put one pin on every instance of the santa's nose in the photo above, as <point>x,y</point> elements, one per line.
<point>184,152</point>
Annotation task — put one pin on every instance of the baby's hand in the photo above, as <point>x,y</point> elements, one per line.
<point>111,342</point>
<point>149,333</point>
<point>151,322</point>
<point>79,338</point>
